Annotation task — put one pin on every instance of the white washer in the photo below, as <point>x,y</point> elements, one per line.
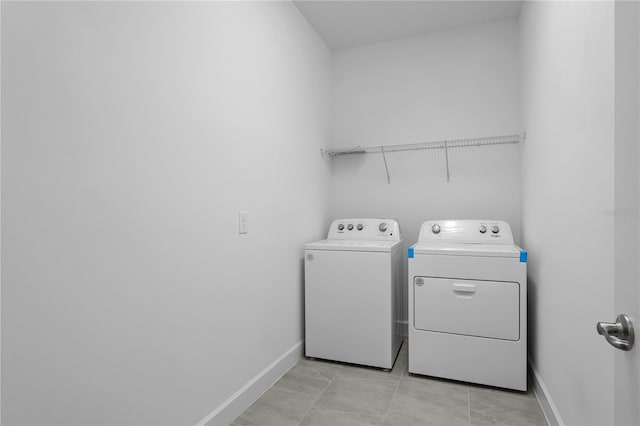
<point>468,303</point>
<point>353,285</point>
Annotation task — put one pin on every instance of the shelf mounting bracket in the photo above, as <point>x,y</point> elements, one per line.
<point>446,159</point>
<point>386,167</point>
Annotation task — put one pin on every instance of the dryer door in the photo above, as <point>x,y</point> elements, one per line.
<point>467,307</point>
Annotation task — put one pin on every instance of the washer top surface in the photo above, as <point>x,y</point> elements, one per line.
<point>353,245</point>
<point>360,234</point>
<point>364,229</point>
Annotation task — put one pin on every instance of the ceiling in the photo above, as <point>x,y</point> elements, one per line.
<point>349,23</point>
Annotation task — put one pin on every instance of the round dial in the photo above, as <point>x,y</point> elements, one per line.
<point>495,229</point>
<point>341,227</point>
<point>360,227</point>
<point>435,229</point>
<point>382,227</point>
<point>350,226</point>
<point>483,229</point>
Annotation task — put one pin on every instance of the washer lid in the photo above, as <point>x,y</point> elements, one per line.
<point>353,245</point>
<point>461,249</point>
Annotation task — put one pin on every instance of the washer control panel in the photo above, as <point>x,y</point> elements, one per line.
<point>365,229</point>
<point>466,231</point>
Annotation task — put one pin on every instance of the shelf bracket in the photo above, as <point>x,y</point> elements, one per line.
<point>446,159</point>
<point>386,167</point>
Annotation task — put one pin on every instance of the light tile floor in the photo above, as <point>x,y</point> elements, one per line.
<point>317,392</point>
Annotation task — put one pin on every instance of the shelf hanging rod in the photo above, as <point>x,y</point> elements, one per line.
<point>448,144</point>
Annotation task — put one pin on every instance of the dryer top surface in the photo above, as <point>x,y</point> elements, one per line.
<point>469,249</point>
<point>467,231</point>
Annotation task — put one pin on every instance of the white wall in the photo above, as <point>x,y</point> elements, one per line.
<point>627,203</point>
<point>444,85</point>
<point>132,134</point>
<point>568,196</point>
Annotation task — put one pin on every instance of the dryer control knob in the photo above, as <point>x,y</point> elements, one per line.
<point>350,226</point>
<point>382,227</point>
<point>483,229</point>
<point>360,227</point>
<point>435,229</point>
<point>341,227</point>
<point>495,229</point>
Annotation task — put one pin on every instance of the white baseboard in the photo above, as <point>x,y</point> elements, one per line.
<point>235,405</point>
<point>544,398</point>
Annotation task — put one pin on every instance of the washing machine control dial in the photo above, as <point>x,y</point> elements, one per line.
<point>382,227</point>
<point>483,229</point>
<point>360,227</point>
<point>495,229</point>
<point>341,227</point>
<point>350,227</point>
<point>435,229</point>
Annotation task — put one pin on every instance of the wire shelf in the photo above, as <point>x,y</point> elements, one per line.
<point>454,143</point>
<point>445,145</point>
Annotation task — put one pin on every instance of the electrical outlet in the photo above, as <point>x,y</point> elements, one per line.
<point>243,222</point>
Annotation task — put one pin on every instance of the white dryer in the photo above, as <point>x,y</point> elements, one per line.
<point>353,285</point>
<point>468,303</point>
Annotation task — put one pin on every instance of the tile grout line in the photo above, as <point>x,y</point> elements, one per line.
<point>469,403</point>
<point>395,392</point>
<point>320,396</point>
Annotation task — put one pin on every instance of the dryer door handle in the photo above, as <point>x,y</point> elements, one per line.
<point>464,288</point>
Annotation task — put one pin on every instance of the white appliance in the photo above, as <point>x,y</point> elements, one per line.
<point>353,285</point>
<point>468,303</point>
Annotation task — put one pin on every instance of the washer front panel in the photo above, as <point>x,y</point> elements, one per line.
<point>349,312</point>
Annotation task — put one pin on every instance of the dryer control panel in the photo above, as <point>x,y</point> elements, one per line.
<point>466,231</point>
<point>369,229</point>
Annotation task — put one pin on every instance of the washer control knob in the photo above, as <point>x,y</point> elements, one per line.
<point>360,227</point>
<point>435,229</point>
<point>495,229</point>
<point>382,227</point>
<point>350,226</point>
<point>341,227</point>
<point>483,229</point>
